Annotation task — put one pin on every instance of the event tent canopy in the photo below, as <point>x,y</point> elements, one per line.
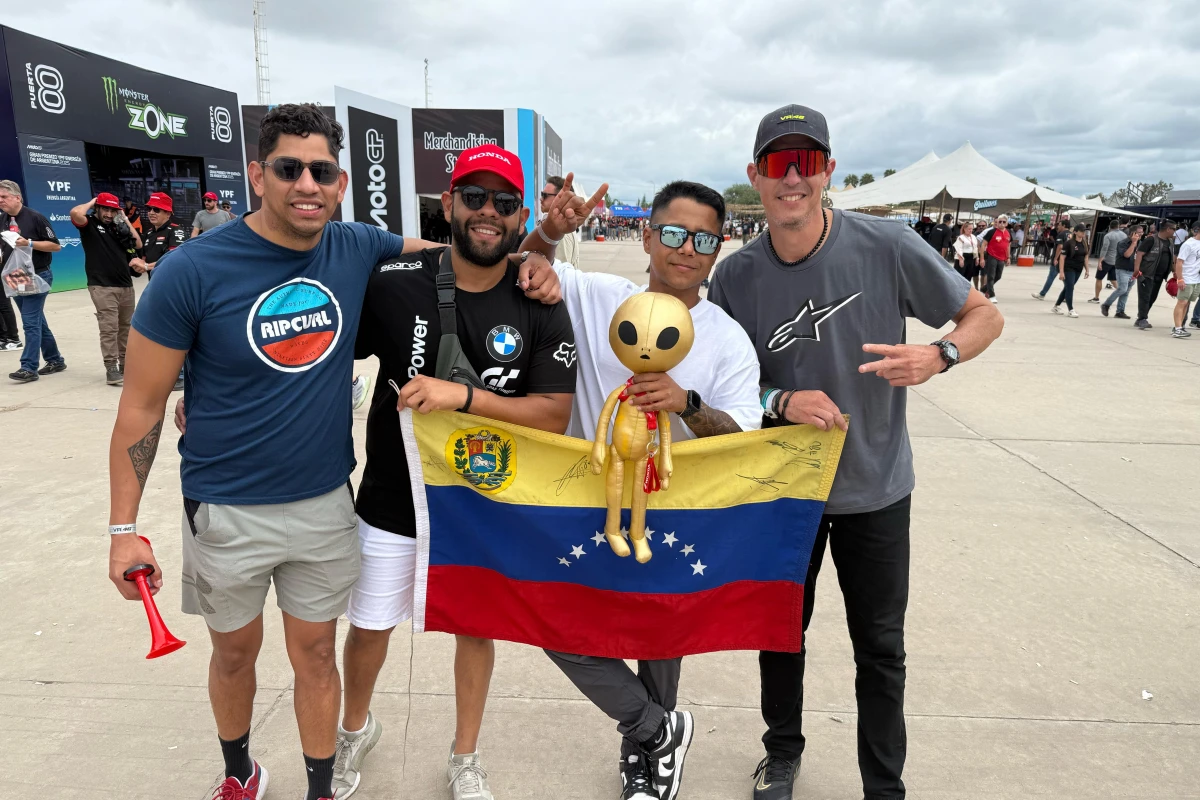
<point>965,176</point>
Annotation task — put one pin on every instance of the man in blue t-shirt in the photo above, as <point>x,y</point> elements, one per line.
<point>265,310</point>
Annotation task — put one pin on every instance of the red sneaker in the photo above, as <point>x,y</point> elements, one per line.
<point>254,788</point>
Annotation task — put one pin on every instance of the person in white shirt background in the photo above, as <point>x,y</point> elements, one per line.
<point>966,252</point>
<point>1187,275</point>
<point>713,391</point>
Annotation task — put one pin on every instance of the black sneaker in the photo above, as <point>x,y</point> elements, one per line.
<point>113,376</point>
<point>666,758</point>
<point>52,367</point>
<point>1104,309</point>
<point>637,779</point>
<point>1143,324</point>
<point>1121,315</point>
<point>1196,323</point>
<point>774,777</point>
<point>1094,300</point>
<point>23,376</point>
<point>11,344</point>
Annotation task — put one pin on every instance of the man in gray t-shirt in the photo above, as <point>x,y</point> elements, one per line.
<point>819,290</point>
<point>210,217</point>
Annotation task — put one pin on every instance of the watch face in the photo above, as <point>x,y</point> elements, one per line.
<point>952,351</point>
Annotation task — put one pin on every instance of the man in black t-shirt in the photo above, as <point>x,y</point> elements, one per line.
<point>1151,267</point>
<point>523,352</point>
<point>33,230</point>
<point>1060,238</point>
<point>110,259</point>
<point>941,237</point>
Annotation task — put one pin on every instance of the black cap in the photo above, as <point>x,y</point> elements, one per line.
<point>947,217</point>
<point>791,119</point>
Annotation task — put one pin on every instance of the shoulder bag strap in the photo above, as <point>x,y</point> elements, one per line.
<point>447,311</point>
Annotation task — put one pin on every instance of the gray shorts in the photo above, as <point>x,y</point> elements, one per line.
<point>231,554</point>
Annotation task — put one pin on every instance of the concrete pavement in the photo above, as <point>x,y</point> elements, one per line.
<point>1056,575</point>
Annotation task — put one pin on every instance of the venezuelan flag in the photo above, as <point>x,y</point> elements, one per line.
<point>510,540</point>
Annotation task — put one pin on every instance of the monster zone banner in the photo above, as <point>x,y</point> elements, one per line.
<point>66,93</point>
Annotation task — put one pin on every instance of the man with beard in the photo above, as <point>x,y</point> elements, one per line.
<point>524,354</point>
<point>820,289</point>
<point>265,309</point>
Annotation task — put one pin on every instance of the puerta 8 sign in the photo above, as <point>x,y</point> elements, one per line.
<point>374,168</point>
<point>72,94</point>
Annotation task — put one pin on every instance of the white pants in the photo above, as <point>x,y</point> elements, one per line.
<point>383,596</point>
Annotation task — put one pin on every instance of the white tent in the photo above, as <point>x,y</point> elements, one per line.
<point>964,176</point>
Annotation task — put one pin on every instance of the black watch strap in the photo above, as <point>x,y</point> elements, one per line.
<point>693,404</point>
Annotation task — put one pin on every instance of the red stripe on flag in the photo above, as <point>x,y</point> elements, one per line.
<point>742,615</point>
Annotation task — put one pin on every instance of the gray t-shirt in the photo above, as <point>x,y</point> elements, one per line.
<point>809,323</point>
<point>206,221</point>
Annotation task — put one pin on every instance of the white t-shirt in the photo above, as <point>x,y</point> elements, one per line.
<point>1181,235</point>
<point>1189,251</point>
<point>721,366</point>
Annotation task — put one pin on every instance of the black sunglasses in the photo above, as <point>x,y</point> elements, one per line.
<point>548,195</point>
<point>675,237</point>
<point>476,197</point>
<point>290,169</point>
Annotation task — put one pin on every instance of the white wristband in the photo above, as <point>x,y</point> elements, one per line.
<point>115,529</point>
<point>545,238</point>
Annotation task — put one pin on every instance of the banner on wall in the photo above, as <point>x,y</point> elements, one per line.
<point>374,146</point>
<point>440,134</point>
<point>552,152</point>
<point>66,93</point>
<point>56,180</point>
<point>228,179</point>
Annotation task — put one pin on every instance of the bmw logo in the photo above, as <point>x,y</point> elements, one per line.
<point>504,343</point>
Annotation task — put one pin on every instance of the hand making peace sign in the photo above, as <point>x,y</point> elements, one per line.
<point>569,210</point>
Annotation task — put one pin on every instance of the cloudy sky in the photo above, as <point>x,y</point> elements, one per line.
<point>1083,95</point>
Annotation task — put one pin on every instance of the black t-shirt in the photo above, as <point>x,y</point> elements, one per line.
<point>34,227</point>
<point>940,238</point>
<point>1075,254</point>
<point>517,346</point>
<point>106,254</point>
<point>157,242</point>
<point>1166,255</point>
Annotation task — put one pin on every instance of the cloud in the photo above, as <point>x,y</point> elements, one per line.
<point>645,92</point>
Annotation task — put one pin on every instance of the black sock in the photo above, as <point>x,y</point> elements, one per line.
<point>320,777</point>
<point>238,763</point>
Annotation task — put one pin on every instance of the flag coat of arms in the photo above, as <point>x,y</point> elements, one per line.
<point>510,540</point>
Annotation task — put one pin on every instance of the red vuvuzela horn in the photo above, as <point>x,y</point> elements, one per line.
<point>162,641</point>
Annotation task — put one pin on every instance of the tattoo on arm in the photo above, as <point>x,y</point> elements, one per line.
<point>710,422</point>
<point>142,453</point>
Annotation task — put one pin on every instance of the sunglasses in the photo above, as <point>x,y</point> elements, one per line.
<point>808,163</point>
<point>476,197</point>
<point>676,237</point>
<point>290,169</point>
<point>548,195</point>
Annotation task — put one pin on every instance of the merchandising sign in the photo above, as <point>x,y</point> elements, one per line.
<point>66,93</point>
<point>441,134</point>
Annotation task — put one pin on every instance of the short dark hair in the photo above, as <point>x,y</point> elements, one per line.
<point>693,191</point>
<point>298,119</point>
<point>1066,223</point>
<point>1112,225</point>
<point>556,182</point>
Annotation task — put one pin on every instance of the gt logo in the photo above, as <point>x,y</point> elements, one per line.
<point>497,378</point>
<point>155,122</point>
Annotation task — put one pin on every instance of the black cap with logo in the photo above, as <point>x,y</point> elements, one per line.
<point>791,120</point>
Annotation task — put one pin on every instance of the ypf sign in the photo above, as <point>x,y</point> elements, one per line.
<point>374,168</point>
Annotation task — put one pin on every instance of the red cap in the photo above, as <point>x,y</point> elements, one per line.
<point>489,158</point>
<point>210,195</point>
<point>107,200</point>
<point>161,201</point>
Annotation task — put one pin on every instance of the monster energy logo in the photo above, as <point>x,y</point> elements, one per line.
<point>110,94</point>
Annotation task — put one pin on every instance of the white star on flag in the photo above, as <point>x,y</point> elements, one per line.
<point>598,538</point>
<point>669,540</point>
<point>688,550</point>
<point>564,562</point>
<point>577,551</point>
<point>649,534</point>
<point>698,568</point>
<point>625,532</point>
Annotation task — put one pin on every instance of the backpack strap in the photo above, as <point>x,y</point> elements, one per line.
<point>447,311</point>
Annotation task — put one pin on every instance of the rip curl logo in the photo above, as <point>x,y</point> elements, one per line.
<point>295,326</point>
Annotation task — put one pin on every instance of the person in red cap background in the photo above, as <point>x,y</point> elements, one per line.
<point>164,235</point>
<point>109,255</point>
<point>210,217</point>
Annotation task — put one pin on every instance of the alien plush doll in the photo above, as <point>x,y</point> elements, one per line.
<point>650,332</point>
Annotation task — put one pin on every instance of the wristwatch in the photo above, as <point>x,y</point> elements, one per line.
<point>693,404</point>
<point>949,353</point>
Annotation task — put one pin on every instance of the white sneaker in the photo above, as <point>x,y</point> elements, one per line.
<point>360,390</point>
<point>1037,296</point>
<point>995,300</point>
<point>468,778</point>
<point>13,344</point>
<point>1072,313</point>
<point>349,754</point>
<point>1056,310</point>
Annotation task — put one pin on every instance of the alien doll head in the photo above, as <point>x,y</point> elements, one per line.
<point>651,332</point>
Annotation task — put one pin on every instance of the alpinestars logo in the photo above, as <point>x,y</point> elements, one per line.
<point>806,325</point>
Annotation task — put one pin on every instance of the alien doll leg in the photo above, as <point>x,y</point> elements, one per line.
<point>614,484</point>
<point>637,513</point>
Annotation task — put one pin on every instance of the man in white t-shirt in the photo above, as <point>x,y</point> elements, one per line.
<point>713,391</point>
<point>1187,275</point>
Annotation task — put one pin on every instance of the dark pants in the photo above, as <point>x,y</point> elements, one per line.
<point>1070,278</point>
<point>993,270</point>
<point>636,703</point>
<point>870,552</point>
<point>1147,293</point>
<point>9,331</point>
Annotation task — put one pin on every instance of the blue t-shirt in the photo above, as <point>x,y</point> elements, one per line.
<point>270,338</point>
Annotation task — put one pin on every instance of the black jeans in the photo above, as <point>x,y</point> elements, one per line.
<point>1147,293</point>
<point>993,271</point>
<point>9,329</point>
<point>871,553</point>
